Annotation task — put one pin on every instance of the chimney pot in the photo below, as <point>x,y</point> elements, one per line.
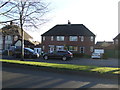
<point>69,22</point>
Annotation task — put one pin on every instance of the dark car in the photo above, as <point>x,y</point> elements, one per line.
<point>64,55</point>
<point>28,53</point>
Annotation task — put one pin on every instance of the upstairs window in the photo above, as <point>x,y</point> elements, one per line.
<point>60,38</point>
<point>82,38</point>
<point>43,38</point>
<point>91,38</point>
<point>8,37</point>
<point>73,38</point>
<point>116,41</point>
<point>52,38</point>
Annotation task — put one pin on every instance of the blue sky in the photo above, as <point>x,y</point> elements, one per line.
<point>99,16</point>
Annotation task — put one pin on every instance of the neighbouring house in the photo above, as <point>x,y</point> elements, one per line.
<point>108,47</point>
<point>27,44</point>
<point>35,45</point>
<point>104,45</point>
<point>117,46</point>
<point>117,41</point>
<point>10,34</point>
<point>76,38</point>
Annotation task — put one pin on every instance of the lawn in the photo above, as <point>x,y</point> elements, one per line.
<point>72,67</point>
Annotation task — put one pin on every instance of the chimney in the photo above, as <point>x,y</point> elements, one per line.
<point>69,22</point>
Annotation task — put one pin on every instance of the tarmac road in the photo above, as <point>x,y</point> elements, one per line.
<point>82,61</point>
<point>25,78</point>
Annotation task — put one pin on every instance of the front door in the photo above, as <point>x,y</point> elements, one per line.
<point>82,49</point>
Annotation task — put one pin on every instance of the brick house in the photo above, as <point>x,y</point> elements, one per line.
<point>74,37</point>
<point>10,34</point>
<point>104,45</point>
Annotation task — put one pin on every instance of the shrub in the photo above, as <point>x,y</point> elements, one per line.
<point>105,56</point>
<point>81,55</point>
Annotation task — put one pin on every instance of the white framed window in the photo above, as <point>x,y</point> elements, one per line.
<point>8,37</point>
<point>73,38</point>
<point>60,38</point>
<point>73,48</point>
<point>91,48</point>
<point>15,38</point>
<point>7,46</point>
<point>91,38</point>
<point>82,49</point>
<point>52,38</point>
<point>59,48</point>
<point>81,38</point>
<point>43,38</point>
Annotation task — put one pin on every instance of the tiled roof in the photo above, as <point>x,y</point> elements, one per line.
<point>69,29</point>
<point>26,42</point>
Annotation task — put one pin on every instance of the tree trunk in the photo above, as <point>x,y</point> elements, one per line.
<point>22,44</point>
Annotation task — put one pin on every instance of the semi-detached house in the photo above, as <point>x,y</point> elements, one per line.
<point>76,38</point>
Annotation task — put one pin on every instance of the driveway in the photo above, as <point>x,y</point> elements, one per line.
<point>82,61</point>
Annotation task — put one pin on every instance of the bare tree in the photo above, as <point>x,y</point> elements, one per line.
<point>27,13</point>
<point>3,4</point>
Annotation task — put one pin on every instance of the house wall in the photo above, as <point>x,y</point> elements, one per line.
<point>87,43</point>
<point>8,41</point>
<point>18,43</point>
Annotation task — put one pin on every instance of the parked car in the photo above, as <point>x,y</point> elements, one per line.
<point>64,55</point>
<point>96,55</point>
<point>28,53</point>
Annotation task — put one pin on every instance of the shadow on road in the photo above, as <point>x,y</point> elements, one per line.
<point>23,78</point>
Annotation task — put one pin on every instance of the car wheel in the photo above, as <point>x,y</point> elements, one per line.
<point>46,57</point>
<point>64,58</point>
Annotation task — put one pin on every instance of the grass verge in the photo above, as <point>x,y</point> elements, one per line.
<point>72,67</point>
